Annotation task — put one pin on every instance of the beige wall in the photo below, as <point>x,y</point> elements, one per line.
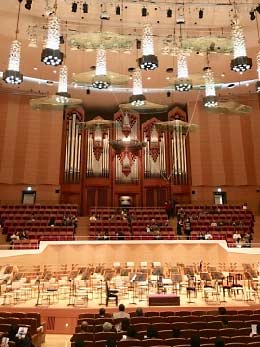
<point>225,152</point>
<point>30,147</point>
<point>95,252</point>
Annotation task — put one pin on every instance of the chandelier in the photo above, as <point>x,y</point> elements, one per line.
<point>137,99</point>
<point>13,75</point>
<point>148,61</point>
<point>258,72</point>
<point>101,80</point>
<point>210,100</point>
<point>241,62</point>
<point>51,54</point>
<point>182,83</point>
<point>63,83</point>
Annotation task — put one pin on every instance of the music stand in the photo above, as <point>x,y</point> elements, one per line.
<point>72,292</point>
<point>38,282</point>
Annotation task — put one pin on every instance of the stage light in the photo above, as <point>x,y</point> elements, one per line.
<point>201,13</point>
<point>74,7</point>
<point>258,8</point>
<point>118,10</point>
<point>28,4</point>
<point>62,40</point>
<point>252,14</point>
<point>169,13</point>
<point>168,94</point>
<point>85,7</point>
<point>144,12</point>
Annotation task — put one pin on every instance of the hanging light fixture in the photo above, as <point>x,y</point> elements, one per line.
<point>148,61</point>
<point>182,83</point>
<point>241,61</point>
<point>13,75</point>
<point>101,80</point>
<point>210,100</point>
<point>51,54</point>
<point>137,99</point>
<point>258,72</point>
<point>63,85</point>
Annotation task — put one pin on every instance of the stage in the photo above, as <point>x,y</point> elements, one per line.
<point>60,309</point>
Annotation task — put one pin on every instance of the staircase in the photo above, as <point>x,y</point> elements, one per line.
<point>83,227</point>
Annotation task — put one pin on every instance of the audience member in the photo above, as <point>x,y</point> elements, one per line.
<point>107,326</point>
<point>102,312</point>
<point>110,342</point>
<point>236,237</point>
<point>219,342</point>
<point>195,341</point>
<point>151,332</point>
<point>51,222</point>
<point>83,327</point>
<point>179,227</point>
<point>187,228</point>
<point>176,332</point>
<point>121,312</point>
<point>93,218</point>
<point>222,310</point>
<point>224,322</point>
<point>208,236</point>
<point>131,333</point>
<point>139,312</point>
<point>125,323</point>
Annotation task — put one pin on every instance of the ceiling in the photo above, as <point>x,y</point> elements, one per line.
<point>216,21</point>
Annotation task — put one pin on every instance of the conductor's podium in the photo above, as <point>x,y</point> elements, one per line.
<point>164,300</point>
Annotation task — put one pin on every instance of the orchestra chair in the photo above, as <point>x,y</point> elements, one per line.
<point>111,294</point>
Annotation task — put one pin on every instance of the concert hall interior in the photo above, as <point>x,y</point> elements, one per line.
<point>130,169</point>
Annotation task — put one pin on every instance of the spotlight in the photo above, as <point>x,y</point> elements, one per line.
<point>74,7</point>
<point>144,12</point>
<point>62,40</point>
<point>201,14</point>
<point>252,14</point>
<point>258,8</point>
<point>118,10</point>
<point>169,13</point>
<point>88,91</point>
<point>168,94</point>
<point>85,7</point>
<point>28,4</point>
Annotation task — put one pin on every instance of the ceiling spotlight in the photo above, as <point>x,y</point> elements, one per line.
<point>168,94</point>
<point>118,10</point>
<point>252,14</point>
<point>85,7</point>
<point>62,40</point>
<point>144,12</point>
<point>258,8</point>
<point>74,7</point>
<point>169,13</point>
<point>28,4</point>
<point>201,13</point>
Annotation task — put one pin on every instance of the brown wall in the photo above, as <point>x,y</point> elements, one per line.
<point>225,152</point>
<point>30,146</point>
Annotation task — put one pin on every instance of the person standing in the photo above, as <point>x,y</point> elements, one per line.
<point>187,228</point>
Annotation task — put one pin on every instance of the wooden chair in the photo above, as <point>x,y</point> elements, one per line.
<point>111,294</point>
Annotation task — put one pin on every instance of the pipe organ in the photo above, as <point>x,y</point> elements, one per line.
<point>133,157</point>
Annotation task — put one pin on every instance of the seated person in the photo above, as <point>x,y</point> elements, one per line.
<point>120,235</point>
<point>130,334</point>
<point>236,237</point>
<point>102,312</point>
<point>222,311</point>
<point>83,327</point>
<point>213,224</point>
<point>208,236</point>
<point>195,341</point>
<point>139,312</point>
<point>107,326</point>
<point>219,342</point>
<point>152,333</point>
<point>121,312</point>
<point>93,218</point>
<point>24,235</point>
<point>51,222</point>
<point>244,206</point>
